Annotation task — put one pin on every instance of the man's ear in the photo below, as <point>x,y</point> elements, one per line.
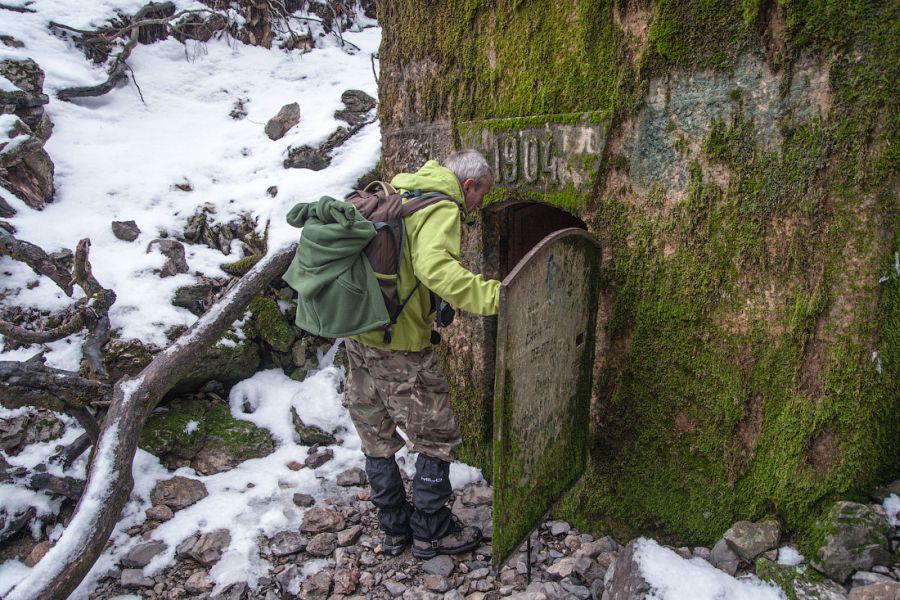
<point>468,184</point>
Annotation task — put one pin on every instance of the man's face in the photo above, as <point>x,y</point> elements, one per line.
<point>473,193</point>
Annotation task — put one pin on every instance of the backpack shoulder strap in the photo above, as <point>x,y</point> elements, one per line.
<point>421,201</point>
<point>387,188</point>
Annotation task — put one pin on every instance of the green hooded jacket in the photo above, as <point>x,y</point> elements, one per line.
<point>335,284</point>
<point>431,256</point>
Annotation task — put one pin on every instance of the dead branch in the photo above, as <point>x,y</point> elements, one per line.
<point>92,358</point>
<point>70,453</point>
<point>88,312</point>
<point>32,383</point>
<point>116,73</point>
<point>109,479</point>
<point>86,419</point>
<point>34,257</point>
<point>13,527</point>
<point>78,321</point>
<point>18,9</point>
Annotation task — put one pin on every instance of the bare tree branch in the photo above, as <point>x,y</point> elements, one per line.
<point>70,453</point>
<point>18,9</point>
<point>34,257</point>
<point>32,383</point>
<point>109,479</point>
<point>28,336</point>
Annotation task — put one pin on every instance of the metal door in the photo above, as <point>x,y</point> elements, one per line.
<point>545,356</point>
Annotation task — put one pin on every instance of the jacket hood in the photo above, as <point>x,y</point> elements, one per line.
<point>432,177</point>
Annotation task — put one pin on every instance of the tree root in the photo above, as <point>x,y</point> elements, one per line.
<point>109,479</point>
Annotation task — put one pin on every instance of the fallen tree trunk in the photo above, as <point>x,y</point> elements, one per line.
<point>109,480</point>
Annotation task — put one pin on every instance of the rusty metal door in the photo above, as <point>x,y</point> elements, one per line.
<point>545,355</point>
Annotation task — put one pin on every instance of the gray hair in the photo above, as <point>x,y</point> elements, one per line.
<point>468,164</point>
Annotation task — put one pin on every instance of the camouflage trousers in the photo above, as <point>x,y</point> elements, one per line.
<point>389,389</point>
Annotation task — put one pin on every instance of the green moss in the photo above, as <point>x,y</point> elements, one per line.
<point>243,439</point>
<point>241,266</point>
<point>789,578</point>
<point>739,380</point>
<point>167,430</point>
<point>271,325</point>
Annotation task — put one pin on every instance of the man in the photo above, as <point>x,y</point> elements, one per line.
<point>399,385</point>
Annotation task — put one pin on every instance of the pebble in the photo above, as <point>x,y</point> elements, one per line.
<point>304,500</point>
<point>439,565</point>
<point>394,588</point>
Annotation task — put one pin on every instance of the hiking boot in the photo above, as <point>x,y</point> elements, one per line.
<point>458,539</point>
<point>393,545</point>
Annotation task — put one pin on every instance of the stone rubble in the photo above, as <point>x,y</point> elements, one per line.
<point>856,558</point>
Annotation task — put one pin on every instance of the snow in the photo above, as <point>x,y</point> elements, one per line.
<point>789,556</point>
<point>120,157</point>
<point>892,509</point>
<point>674,578</point>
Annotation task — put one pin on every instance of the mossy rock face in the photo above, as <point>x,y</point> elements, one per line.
<point>204,436</point>
<point>227,363</point>
<point>747,205</point>
<point>271,325</point>
<point>799,582</point>
<point>851,537</point>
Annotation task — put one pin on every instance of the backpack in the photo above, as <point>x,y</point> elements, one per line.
<point>385,208</point>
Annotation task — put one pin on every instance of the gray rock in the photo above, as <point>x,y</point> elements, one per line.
<point>858,541</point>
<point>208,549</point>
<point>159,512</point>
<point>134,578</point>
<point>435,583</point>
<point>724,558</point>
<point>358,104</point>
<point>298,352</point>
<point>625,581</point>
<point>394,588</point>
<point>288,578</point>
<point>702,552</point>
<point>319,458</point>
<point>864,578</point>
<point>352,477</point>
<point>183,550</point>
<point>311,435</point>
<point>322,544</point>
<point>287,117</point>
<point>588,570</point>
<point>235,591</point>
<point>453,595</point>
<point>748,540</point>
<point>597,589</point>
<point>799,581</point>
<point>349,536</point>
<point>141,555</point>
<point>195,298</point>
<point>477,495</point>
<point>28,428</point>
<point>877,591</point>
<point>178,492</point>
<point>316,586</point>
<point>346,581</point>
<point>421,594</point>
<point>198,583</point>
<point>173,250</point>
<point>304,500</point>
<point>127,231</point>
<point>285,543</point>
<point>563,568</point>
<point>575,591</point>
<point>558,528</point>
<point>320,520</point>
<point>477,516</point>
<point>441,565</point>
